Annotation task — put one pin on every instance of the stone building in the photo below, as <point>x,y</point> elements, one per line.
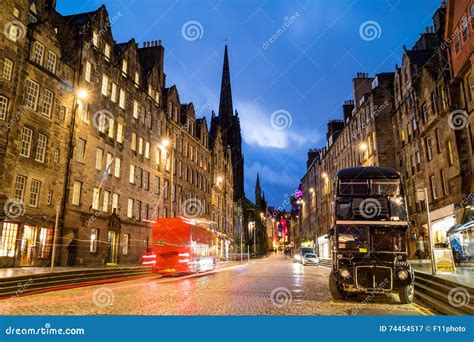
<point>118,146</point>
<point>36,98</point>
<point>363,138</point>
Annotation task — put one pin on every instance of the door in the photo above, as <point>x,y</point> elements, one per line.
<point>112,247</point>
<point>28,242</point>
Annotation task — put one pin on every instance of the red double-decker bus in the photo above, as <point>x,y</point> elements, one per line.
<point>182,245</point>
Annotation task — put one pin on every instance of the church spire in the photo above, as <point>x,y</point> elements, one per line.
<point>226,109</point>
<point>258,182</point>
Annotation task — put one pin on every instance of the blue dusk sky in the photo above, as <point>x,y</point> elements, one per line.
<point>291,62</point>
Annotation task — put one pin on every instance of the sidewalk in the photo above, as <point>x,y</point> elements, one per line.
<point>463,276</point>
<point>26,271</point>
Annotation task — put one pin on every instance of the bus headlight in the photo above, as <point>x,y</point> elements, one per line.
<point>402,274</point>
<point>339,256</point>
<point>344,272</point>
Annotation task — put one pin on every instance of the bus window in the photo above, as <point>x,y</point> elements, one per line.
<point>385,187</point>
<point>351,237</point>
<point>387,241</point>
<point>353,187</point>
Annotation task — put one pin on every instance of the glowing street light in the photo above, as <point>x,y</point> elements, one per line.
<point>311,190</point>
<point>324,174</point>
<point>165,142</point>
<point>82,94</point>
<point>363,146</point>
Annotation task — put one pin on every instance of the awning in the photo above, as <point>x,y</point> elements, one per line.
<point>460,227</point>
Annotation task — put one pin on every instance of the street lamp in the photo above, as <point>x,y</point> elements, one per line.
<point>363,147</point>
<point>324,174</point>
<point>82,94</point>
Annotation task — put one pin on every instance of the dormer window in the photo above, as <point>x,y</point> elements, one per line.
<point>107,52</point>
<point>124,67</point>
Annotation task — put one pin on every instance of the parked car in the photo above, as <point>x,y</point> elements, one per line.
<point>310,259</point>
<point>298,257</point>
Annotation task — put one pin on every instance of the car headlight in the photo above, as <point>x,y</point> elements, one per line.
<point>344,272</point>
<point>402,274</point>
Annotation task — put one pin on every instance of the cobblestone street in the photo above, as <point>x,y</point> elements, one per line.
<point>269,286</point>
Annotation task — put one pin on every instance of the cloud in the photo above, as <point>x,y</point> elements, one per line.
<point>260,128</point>
<point>276,176</point>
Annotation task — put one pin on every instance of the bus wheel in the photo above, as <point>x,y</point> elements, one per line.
<point>406,294</point>
<point>337,293</point>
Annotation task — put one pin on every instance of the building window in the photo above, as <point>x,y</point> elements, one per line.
<point>107,52</point>
<point>26,137</point>
<point>134,142</point>
<point>471,85</point>
<point>45,242</point>
<point>146,180</point>
<point>157,184</point>
<point>146,211</point>
<point>62,112</point>
<point>438,141</point>
<point>120,132</point>
<point>80,150</point>
<point>99,153</point>
<point>41,148</point>
<point>450,153</point>
<point>118,165</point>
<point>457,44</point>
<point>37,53</point>
<point>147,150</point>
<point>130,208</point>
<point>20,183</point>
<point>140,145</point>
<point>137,79</point>
<point>108,165</point>
<point>124,67</point>
<point>158,155</point>
<point>434,103</point>
<point>445,184</point>
<point>51,61</point>
<point>135,109</point>
<point>83,113</point>
<point>50,197</point>
<point>122,99</point>
<point>424,110</point>
<point>105,85</point>
<point>115,203</point>
<point>139,176</point>
<point>111,127</point>
<point>166,189</point>
<point>126,241</point>
<point>113,93</point>
<point>88,72</point>
<point>138,210</point>
<point>34,192</point>
<point>31,94</point>
<point>429,152</point>
<point>7,69</point>
<point>76,193</point>
<point>8,241</point>
<point>3,107</point>
<point>131,177</point>
<point>105,201</point>
<point>464,28</point>
<point>95,39</point>
<point>95,198</point>
<point>434,189</point>
<point>93,242</point>
<point>47,103</point>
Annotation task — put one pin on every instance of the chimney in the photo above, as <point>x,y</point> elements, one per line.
<point>361,86</point>
<point>347,108</point>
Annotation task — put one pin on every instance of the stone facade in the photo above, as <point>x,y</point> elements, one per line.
<point>127,153</point>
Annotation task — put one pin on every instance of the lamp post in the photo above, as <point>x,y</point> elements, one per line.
<point>80,94</point>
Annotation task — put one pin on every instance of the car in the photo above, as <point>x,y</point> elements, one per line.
<point>310,259</point>
<point>299,254</point>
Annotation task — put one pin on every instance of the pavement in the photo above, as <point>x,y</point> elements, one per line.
<point>463,276</point>
<point>270,286</point>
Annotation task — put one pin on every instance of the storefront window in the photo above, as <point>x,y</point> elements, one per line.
<point>94,237</point>
<point>126,239</point>
<point>8,239</point>
<point>45,242</point>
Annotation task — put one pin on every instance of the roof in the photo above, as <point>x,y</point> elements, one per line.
<point>368,172</point>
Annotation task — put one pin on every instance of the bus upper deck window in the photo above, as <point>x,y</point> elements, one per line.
<point>353,187</point>
<point>385,187</point>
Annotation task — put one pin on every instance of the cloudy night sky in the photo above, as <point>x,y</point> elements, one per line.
<point>295,59</point>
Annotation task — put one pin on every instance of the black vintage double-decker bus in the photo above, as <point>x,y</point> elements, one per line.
<point>368,239</point>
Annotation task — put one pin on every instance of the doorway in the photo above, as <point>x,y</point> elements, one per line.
<point>112,247</point>
<point>28,243</point>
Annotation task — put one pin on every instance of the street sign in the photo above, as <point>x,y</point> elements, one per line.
<point>420,195</point>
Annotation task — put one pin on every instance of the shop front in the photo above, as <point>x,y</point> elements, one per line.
<point>441,221</point>
<point>25,244</point>
<point>323,247</point>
